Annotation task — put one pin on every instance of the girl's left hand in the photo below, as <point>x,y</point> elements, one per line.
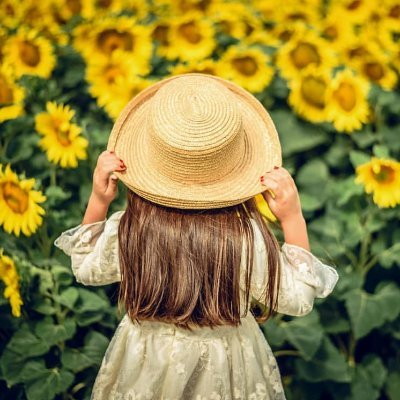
<point>105,184</point>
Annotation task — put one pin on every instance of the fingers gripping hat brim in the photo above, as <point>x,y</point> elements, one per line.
<point>261,152</point>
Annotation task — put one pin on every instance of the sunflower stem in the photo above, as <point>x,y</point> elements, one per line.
<point>53,176</point>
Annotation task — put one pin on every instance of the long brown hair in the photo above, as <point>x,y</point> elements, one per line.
<point>183,266</point>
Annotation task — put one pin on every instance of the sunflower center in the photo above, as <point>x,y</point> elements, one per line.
<point>331,32</point>
<point>346,96</point>
<point>313,91</point>
<point>63,135</point>
<point>29,53</point>
<point>395,11</point>
<point>110,40</point>
<point>374,70</point>
<point>245,65</point>
<point>103,3</point>
<point>74,6</point>
<point>15,197</point>
<point>190,32</point>
<point>6,94</point>
<point>383,173</point>
<point>304,54</point>
<point>354,5</point>
<point>160,33</point>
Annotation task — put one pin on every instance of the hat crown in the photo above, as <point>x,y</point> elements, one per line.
<point>196,124</point>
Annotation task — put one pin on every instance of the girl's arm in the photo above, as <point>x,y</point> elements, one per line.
<point>285,205</point>
<point>105,187</point>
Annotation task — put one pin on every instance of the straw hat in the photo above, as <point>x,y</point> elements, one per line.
<point>195,141</point>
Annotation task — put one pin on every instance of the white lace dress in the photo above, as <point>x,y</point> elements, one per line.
<point>157,360</point>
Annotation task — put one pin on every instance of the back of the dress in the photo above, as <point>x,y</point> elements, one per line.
<point>156,360</point>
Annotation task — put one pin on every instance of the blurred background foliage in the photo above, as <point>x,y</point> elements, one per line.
<point>327,71</point>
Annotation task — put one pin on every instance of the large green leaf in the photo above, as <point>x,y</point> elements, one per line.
<point>53,333</point>
<point>27,344</point>
<point>305,333</point>
<point>369,311</point>
<point>328,364</point>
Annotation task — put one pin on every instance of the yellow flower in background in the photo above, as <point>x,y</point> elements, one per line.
<point>9,275</point>
<point>104,73</point>
<point>11,12</point>
<point>106,35</point>
<point>347,104</point>
<point>11,95</point>
<point>391,12</point>
<point>160,31</point>
<point>304,48</point>
<point>227,20</point>
<point>263,207</point>
<point>61,139</point>
<point>19,208</point>
<point>247,66</point>
<point>381,177</point>
<point>208,66</point>
<point>291,11</point>
<point>115,99</point>
<point>354,11</point>
<point>29,54</point>
<point>308,93</point>
<point>184,6</point>
<point>191,37</point>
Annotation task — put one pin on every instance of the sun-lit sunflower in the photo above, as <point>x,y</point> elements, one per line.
<point>263,207</point>
<point>11,95</point>
<point>304,48</point>
<point>291,11</point>
<point>247,66</point>
<point>208,66</point>
<point>308,93</point>
<point>11,12</point>
<point>375,67</point>
<point>29,54</point>
<point>179,7</point>
<point>191,37</point>
<point>392,14</point>
<point>228,21</point>
<point>9,275</point>
<point>62,139</point>
<point>19,208</point>
<point>347,104</point>
<point>382,178</point>
<point>105,73</point>
<point>354,11</point>
<point>114,33</point>
<point>113,101</point>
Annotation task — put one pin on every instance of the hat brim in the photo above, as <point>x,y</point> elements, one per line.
<point>262,153</point>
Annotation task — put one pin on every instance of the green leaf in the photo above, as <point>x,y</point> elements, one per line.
<point>68,297</point>
<point>377,372</point>
<point>393,385</point>
<point>310,202</point>
<point>354,230</point>
<point>90,301</point>
<point>390,256</point>
<point>313,174</point>
<point>381,151</point>
<point>305,333</point>
<point>53,333</point>
<point>369,311</point>
<point>274,332</point>
<point>11,365</point>
<point>62,274</point>
<point>345,190</point>
<point>328,364</point>
<point>358,157</point>
<point>95,346</point>
<point>56,195</point>
<point>25,343</point>
<point>75,360</point>
<point>361,388</point>
<point>295,135</point>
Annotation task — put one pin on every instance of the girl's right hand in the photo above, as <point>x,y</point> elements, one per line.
<point>285,205</point>
<point>105,185</point>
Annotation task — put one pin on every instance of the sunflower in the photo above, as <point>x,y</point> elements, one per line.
<point>308,93</point>
<point>392,14</point>
<point>104,73</point>
<point>19,208</point>
<point>115,99</point>
<point>11,95</point>
<point>375,67</point>
<point>382,178</point>
<point>160,31</point>
<point>10,13</point>
<point>263,207</point>
<point>228,21</point>
<point>29,54</point>
<point>114,33</point>
<point>191,37</point>
<point>294,10</point>
<point>208,66</point>
<point>9,275</point>
<point>347,104</point>
<point>247,66</point>
<point>61,138</point>
<point>355,11</point>
<point>304,48</point>
<point>179,7</point>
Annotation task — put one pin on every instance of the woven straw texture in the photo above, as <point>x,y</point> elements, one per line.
<point>195,141</point>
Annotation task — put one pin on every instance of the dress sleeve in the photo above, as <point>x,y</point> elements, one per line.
<point>93,249</point>
<point>303,277</point>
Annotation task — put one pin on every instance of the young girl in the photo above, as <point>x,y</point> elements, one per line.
<point>192,250</point>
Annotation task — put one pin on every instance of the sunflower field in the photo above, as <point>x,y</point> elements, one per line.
<point>327,72</point>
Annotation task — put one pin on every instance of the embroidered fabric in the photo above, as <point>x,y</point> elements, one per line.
<point>156,360</point>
